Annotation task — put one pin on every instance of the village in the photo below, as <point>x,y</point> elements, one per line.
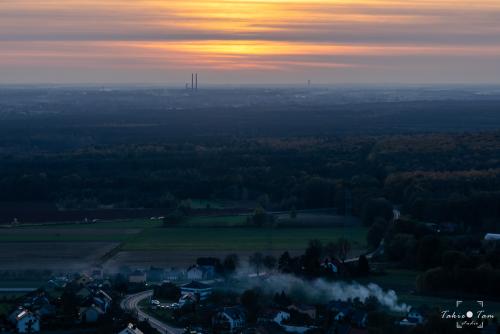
<point>211,296</point>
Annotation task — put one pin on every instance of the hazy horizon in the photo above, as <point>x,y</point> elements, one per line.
<point>264,42</point>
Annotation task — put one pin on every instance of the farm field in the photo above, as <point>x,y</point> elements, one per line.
<point>146,242</point>
<point>244,238</point>
<point>60,256</point>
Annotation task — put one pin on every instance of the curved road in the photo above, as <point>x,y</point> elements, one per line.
<point>131,303</point>
<point>396,215</point>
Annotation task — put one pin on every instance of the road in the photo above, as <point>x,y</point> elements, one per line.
<point>131,303</point>
<point>396,215</point>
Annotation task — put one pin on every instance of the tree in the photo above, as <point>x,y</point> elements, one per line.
<point>256,260</point>
<point>429,252</point>
<point>185,206</point>
<point>344,246</point>
<point>269,262</point>
<point>282,299</point>
<point>168,291</point>
<point>363,266</point>
<point>284,262</point>
<point>377,208</point>
<point>331,249</point>
<point>312,257</point>
<point>376,233</point>
<point>230,264</point>
<point>453,259</point>
<point>69,303</point>
<point>401,247</point>
<point>252,302</point>
<point>259,217</point>
<point>174,218</point>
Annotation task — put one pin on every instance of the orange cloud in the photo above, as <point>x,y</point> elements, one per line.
<point>232,35</point>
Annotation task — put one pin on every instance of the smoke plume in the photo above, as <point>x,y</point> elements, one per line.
<point>322,291</point>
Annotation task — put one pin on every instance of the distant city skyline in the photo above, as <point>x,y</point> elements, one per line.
<point>250,42</point>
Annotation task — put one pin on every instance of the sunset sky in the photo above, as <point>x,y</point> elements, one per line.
<point>250,41</point>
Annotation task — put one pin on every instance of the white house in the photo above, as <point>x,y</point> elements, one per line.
<point>416,316</point>
<point>202,291</point>
<point>131,329</point>
<point>492,237</point>
<point>276,316</point>
<point>230,320</point>
<point>413,318</point>
<point>198,273</point>
<point>195,274</point>
<point>173,274</point>
<point>137,276</point>
<point>25,321</point>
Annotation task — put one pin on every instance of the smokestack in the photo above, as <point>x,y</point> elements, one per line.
<point>192,81</point>
<point>196,81</point>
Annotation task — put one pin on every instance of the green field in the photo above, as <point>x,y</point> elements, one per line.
<point>239,238</point>
<point>148,241</point>
<point>216,221</point>
<point>197,233</point>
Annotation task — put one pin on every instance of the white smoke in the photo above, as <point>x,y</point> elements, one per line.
<point>322,291</point>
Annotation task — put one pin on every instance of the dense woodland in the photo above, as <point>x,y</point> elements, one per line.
<point>434,177</point>
<point>435,153</point>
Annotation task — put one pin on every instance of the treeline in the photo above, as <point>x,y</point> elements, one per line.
<point>434,177</point>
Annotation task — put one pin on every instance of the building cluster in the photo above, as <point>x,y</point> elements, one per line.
<point>199,272</point>
<point>74,303</point>
<point>280,316</point>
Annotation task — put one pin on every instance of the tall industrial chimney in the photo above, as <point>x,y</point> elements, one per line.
<point>192,81</point>
<point>196,82</point>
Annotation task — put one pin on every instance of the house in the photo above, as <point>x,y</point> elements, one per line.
<point>416,316</point>
<point>25,321</point>
<point>40,305</point>
<point>449,228</point>
<point>173,274</point>
<point>346,329</point>
<point>58,282</point>
<point>131,329</point>
<point>187,298</point>
<point>492,237</point>
<point>83,280</point>
<point>156,274</point>
<point>340,310</point>
<point>413,318</point>
<point>84,293</point>
<point>276,316</point>
<point>199,273</point>
<point>90,314</point>
<point>103,300</point>
<point>267,328</point>
<point>137,276</point>
<point>359,318</point>
<point>308,310</point>
<point>334,266</point>
<point>97,273</point>
<point>200,290</point>
<point>230,320</point>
